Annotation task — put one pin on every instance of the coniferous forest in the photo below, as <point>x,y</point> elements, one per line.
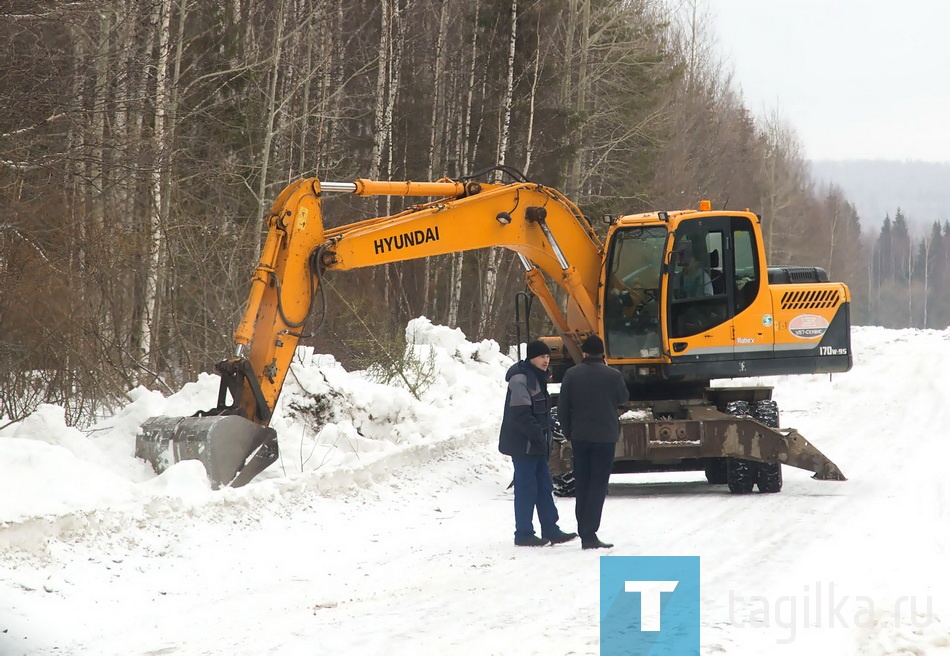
<point>143,141</point>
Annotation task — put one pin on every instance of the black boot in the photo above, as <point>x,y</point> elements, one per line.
<point>531,541</point>
<point>560,537</point>
<point>593,542</point>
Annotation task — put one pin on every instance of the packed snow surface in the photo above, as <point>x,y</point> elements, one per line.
<point>386,526</point>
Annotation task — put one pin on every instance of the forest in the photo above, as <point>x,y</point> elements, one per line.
<point>143,141</point>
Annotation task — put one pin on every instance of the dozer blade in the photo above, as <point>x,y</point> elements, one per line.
<point>712,434</point>
<point>748,439</point>
<point>802,451</point>
<point>224,444</point>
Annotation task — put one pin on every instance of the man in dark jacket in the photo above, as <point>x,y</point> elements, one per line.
<point>526,430</point>
<point>587,410</point>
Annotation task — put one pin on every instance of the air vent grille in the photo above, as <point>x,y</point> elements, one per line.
<point>810,299</point>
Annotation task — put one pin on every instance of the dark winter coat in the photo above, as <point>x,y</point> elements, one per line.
<point>526,424</point>
<point>587,403</point>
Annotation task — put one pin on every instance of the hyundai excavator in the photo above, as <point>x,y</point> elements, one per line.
<point>680,298</point>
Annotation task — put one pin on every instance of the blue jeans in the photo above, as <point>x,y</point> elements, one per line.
<point>534,489</point>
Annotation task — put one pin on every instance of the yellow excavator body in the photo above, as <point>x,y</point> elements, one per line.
<point>681,298</point>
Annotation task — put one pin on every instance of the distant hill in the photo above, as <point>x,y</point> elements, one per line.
<point>878,187</point>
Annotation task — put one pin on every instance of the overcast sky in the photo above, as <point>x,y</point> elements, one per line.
<point>856,79</point>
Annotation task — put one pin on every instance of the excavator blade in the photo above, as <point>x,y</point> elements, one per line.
<point>232,449</point>
<point>712,434</point>
<point>801,450</point>
<point>751,440</point>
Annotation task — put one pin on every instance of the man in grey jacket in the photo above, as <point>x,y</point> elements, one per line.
<point>587,409</point>
<point>526,436</point>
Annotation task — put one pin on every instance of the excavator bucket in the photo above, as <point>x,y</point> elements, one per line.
<point>232,449</point>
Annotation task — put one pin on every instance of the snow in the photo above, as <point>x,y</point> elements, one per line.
<point>386,526</point>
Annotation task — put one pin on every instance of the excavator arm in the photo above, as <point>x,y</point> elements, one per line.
<point>552,238</point>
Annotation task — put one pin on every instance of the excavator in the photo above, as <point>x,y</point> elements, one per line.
<point>680,298</point>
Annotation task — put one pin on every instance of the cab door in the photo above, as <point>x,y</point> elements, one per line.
<point>700,297</point>
<point>754,322</point>
<point>730,323</point>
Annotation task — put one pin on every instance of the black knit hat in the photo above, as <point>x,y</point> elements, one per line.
<point>537,348</point>
<point>593,345</point>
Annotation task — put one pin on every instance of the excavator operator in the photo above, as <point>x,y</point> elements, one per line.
<point>692,280</point>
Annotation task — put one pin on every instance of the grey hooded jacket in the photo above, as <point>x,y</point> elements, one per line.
<point>526,424</point>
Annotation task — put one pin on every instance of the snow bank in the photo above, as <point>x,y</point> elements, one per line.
<point>337,430</point>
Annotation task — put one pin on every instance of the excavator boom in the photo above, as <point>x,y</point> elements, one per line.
<point>521,216</point>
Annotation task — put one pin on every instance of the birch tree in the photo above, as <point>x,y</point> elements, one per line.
<point>156,222</point>
<point>436,138</point>
<point>494,254</point>
<point>532,99</point>
<point>574,177</point>
<point>464,148</point>
<point>382,74</point>
<point>269,133</point>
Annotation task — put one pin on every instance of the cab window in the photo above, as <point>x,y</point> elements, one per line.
<point>746,266</point>
<point>631,307</point>
<point>698,292</point>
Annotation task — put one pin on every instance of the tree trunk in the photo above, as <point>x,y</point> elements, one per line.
<point>394,58</point>
<point>305,102</point>
<point>436,138</point>
<point>271,119</point>
<point>509,89</point>
<point>927,243</point>
<point>458,259</point>
<point>382,75</point>
<point>154,242</point>
<point>910,285</point>
<point>379,119</point>
<point>575,176</point>
<point>531,101</point>
<point>567,64</point>
<point>76,140</point>
<point>165,271</point>
<point>831,240</point>
<point>494,254</point>
<point>96,170</point>
<point>125,15</point>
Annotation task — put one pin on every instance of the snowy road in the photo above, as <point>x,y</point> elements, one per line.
<point>411,553</point>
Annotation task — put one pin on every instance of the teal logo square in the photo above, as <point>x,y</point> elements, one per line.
<point>649,605</point>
